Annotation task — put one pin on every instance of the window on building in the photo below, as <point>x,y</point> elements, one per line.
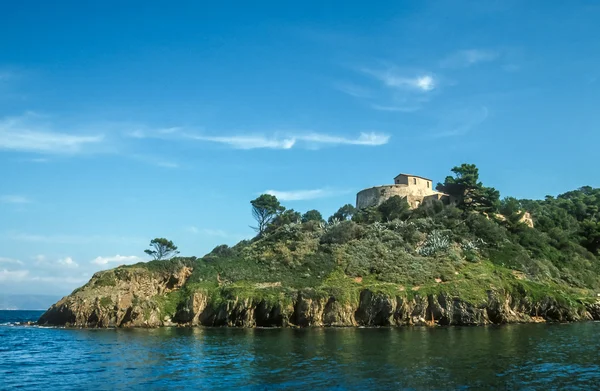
<point>428,185</point>
<point>414,181</point>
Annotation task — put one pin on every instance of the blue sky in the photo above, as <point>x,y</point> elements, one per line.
<point>121,123</point>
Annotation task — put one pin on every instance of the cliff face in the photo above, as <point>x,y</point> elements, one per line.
<point>117,298</point>
<point>136,297</point>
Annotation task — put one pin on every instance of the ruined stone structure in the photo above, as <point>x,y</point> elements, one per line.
<point>415,189</point>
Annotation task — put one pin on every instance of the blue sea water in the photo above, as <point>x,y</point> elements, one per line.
<point>514,357</point>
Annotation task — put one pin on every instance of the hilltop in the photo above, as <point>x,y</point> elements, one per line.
<point>466,263</point>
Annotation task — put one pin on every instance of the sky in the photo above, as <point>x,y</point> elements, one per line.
<point>125,121</point>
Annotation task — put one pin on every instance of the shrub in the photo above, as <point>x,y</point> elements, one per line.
<point>436,243</point>
<point>343,233</point>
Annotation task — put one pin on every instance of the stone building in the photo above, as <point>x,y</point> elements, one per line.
<point>414,188</point>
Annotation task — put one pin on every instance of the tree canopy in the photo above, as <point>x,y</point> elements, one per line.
<point>472,194</point>
<point>264,209</point>
<point>161,249</point>
<point>312,215</point>
<point>346,212</point>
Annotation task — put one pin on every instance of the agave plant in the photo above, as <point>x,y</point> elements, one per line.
<point>436,242</point>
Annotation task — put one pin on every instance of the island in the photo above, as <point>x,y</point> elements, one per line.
<point>406,254</point>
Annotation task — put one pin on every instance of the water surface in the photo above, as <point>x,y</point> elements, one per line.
<point>537,356</point>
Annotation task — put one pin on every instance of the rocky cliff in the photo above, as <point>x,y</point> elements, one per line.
<point>138,297</point>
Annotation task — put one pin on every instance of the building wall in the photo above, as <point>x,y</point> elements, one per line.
<point>416,182</point>
<point>415,195</point>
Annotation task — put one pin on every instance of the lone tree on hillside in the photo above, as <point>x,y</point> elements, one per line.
<point>264,209</point>
<point>163,249</point>
<point>472,194</point>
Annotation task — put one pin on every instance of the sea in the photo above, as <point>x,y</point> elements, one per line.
<point>509,357</point>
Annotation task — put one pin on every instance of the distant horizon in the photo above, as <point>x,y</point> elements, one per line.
<point>120,123</point>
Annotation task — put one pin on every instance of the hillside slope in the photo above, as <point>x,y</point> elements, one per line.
<point>437,264</point>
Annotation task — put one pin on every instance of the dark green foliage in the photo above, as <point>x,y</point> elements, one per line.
<point>312,215</point>
<point>162,249</point>
<point>289,216</point>
<point>367,216</point>
<point>343,233</point>
<point>264,209</point>
<point>395,207</point>
<point>344,213</point>
<point>471,193</point>
<point>222,250</point>
<point>590,235</point>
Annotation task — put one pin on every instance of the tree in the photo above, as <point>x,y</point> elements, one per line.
<point>471,193</point>
<point>395,207</point>
<point>288,216</point>
<point>163,249</point>
<point>344,213</point>
<point>264,209</point>
<point>312,215</point>
<point>512,210</point>
<point>590,233</point>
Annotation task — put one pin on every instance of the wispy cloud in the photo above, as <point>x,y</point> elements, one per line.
<point>118,259</point>
<point>249,142</point>
<point>311,140</point>
<point>277,140</point>
<point>14,199</point>
<point>467,58</point>
<point>301,195</point>
<point>13,275</point>
<point>401,109</point>
<point>25,134</point>
<point>353,90</point>
<point>71,239</point>
<point>10,260</point>
<point>460,122</point>
<point>393,78</point>
<point>67,262</point>
<point>156,161</point>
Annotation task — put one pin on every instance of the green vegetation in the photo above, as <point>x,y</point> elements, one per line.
<point>162,249</point>
<point>481,243</point>
<point>264,209</point>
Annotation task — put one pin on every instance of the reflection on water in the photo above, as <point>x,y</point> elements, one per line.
<point>507,357</point>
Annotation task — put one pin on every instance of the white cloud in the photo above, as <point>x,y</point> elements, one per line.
<point>120,259</point>
<point>13,275</point>
<point>249,142</point>
<point>23,134</point>
<point>14,199</point>
<point>369,139</point>
<point>10,260</point>
<point>467,58</point>
<point>59,279</point>
<point>68,262</point>
<point>72,239</point>
<point>301,195</point>
<point>392,78</point>
<point>287,142</point>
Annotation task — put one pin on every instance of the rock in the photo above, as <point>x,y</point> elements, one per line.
<point>136,297</point>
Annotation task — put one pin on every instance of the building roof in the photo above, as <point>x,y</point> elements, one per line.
<point>410,175</point>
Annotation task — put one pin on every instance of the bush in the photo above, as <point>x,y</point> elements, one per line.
<point>343,233</point>
<point>436,243</point>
